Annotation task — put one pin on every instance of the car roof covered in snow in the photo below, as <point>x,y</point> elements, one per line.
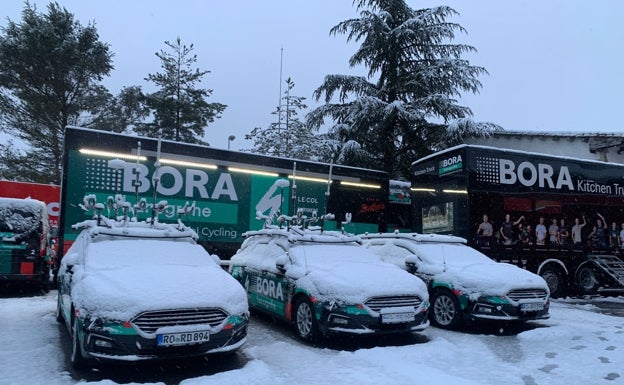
<point>439,238</point>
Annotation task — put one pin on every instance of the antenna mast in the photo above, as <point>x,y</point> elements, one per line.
<point>293,196</point>
<point>331,166</point>
<point>279,100</point>
<point>156,178</point>
<point>137,182</point>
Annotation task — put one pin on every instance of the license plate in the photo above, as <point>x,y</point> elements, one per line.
<point>185,338</point>
<point>397,318</point>
<point>536,306</point>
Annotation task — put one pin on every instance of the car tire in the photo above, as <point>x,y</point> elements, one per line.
<point>59,311</point>
<point>587,279</point>
<point>554,279</point>
<point>445,311</point>
<point>78,360</point>
<point>306,325</point>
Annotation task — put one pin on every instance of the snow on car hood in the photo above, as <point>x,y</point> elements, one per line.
<point>122,278</point>
<point>490,279</point>
<point>461,266</point>
<point>351,274</point>
<point>471,271</point>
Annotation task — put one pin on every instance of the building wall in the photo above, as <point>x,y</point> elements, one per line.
<point>603,147</point>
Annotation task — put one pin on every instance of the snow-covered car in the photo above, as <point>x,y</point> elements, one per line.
<point>132,291</point>
<point>463,283</point>
<point>325,282</point>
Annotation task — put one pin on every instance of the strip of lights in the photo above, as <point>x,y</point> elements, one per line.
<point>455,191</point>
<point>177,162</point>
<point>418,189</point>
<point>309,179</point>
<point>187,163</point>
<point>109,154</point>
<point>255,172</point>
<point>366,185</point>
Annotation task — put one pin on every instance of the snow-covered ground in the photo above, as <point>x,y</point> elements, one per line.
<point>577,345</point>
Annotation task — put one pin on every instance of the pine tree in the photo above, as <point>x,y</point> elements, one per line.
<point>180,109</point>
<point>419,73</point>
<point>288,137</point>
<point>50,66</point>
<point>121,113</point>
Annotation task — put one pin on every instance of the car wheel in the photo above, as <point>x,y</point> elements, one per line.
<point>586,279</point>
<point>59,311</point>
<point>77,359</point>
<point>306,325</point>
<point>445,311</point>
<point>554,279</point>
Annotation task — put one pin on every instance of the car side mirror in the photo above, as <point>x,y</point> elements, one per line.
<point>411,267</point>
<point>281,262</point>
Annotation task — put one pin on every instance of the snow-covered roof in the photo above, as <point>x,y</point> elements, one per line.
<point>563,134</point>
<point>297,234</point>
<point>415,237</point>
<point>131,229</point>
<point>512,151</point>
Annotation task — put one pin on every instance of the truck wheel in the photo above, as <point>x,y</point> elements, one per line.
<point>587,279</point>
<point>554,279</point>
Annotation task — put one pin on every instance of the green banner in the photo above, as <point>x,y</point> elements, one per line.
<point>224,203</point>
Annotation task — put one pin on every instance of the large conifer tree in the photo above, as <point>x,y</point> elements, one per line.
<point>179,107</point>
<point>50,66</point>
<point>401,109</point>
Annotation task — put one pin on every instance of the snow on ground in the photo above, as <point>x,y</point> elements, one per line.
<point>576,346</point>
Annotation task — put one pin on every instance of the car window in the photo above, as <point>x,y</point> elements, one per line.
<point>391,252</point>
<point>117,252</point>
<point>311,254</point>
<point>23,218</point>
<point>450,254</point>
<point>260,256</point>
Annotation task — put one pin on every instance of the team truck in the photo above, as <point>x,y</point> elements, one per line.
<point>456,190</point>
<point>224,191</point>
<point>28,219</point>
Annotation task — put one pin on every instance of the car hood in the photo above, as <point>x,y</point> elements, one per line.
<point>124,292</point>
<point>489,279</point>
<point>354,283</point>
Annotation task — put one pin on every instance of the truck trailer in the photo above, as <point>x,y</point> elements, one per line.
<point>223,191</point>
<point>519,195</point>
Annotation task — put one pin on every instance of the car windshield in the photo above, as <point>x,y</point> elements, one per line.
<point>450,254</point>
<point>313,254</point>
<point>118,252</point>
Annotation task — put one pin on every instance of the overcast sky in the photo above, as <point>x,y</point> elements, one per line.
<point>553,65</point>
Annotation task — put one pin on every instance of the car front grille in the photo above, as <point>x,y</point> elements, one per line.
<point>378,303</point>
<point>149,322</point>
<point>517,295</point>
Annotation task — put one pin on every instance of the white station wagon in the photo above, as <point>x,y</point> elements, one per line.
<point>463,283</point>
<point>131,291</point>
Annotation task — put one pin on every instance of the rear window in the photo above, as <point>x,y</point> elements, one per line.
<point>20,218</point>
